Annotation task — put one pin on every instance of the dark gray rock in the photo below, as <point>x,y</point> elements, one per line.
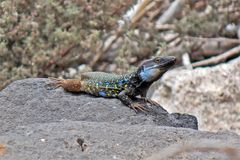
<point>30,101</point>
<point>105,141</point>
<point>37,123</point>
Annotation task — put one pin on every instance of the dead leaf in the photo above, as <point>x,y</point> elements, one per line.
<point>2,149</point>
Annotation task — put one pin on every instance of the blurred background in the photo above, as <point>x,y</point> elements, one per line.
<point>63,38</point>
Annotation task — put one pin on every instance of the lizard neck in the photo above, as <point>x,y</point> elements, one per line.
<point>140,85</point>
<point>140,78</point>
<point>132,78</point>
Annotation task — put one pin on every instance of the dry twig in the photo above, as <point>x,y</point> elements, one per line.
<point>218,59</point>
<point>140,12</point>
<point>175,7</point>
<point>2,149</point>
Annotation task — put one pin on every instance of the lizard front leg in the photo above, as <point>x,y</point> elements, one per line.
<point>145,99</point>
<point>123,96</point>
<point>71,85</point>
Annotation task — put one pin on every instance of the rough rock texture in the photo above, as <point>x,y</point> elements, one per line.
<point>210,93</point>
<point>104,141</point>
<point>30,101</point>
<point>37,123</point>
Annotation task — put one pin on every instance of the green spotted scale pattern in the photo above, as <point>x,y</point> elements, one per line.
<point>105,84</point>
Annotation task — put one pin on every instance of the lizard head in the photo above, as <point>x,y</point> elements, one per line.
<point>152,69</point>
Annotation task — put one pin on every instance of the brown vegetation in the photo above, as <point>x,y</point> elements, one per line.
<point>54,37</point>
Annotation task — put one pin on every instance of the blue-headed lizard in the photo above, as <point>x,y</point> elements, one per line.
<point>124,87</point>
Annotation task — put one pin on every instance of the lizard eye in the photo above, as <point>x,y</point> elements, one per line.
<point>157,60</point>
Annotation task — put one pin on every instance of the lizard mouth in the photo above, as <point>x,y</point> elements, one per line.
<point>154,68</point>
<point>167,62</point>
<point>159,63</point>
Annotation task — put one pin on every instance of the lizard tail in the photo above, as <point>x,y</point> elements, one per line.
<point>72,85</point>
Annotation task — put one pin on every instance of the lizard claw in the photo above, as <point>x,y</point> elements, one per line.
<point>152,102</point>
<point>138,106</point>
<point>55,82</point>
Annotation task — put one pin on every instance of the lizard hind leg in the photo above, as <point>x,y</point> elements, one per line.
<point>71,85</point>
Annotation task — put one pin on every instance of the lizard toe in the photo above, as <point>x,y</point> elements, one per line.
<point>152,102</point>
<point>138,106</point>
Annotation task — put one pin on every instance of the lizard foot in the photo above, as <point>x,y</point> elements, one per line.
<point>152,102</point>
<point>138,106</point>
<point>56,82</point>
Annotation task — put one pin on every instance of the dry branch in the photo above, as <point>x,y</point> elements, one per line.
<point>238,31</point>
<point>163,27</point>
<point>218,59</point>
<point>140,12</point>
<point>200,48</point>
<point>211,46</point>
<point>175,7</point>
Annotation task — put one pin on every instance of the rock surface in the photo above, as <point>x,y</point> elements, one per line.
<point>210,93</point>
<point>37,123</point>
<point>30,101</point>
<point>103,141</point>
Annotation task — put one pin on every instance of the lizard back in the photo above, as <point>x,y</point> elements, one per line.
<point>104,84</point>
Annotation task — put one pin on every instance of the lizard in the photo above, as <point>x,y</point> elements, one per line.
<point>125,87</point>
